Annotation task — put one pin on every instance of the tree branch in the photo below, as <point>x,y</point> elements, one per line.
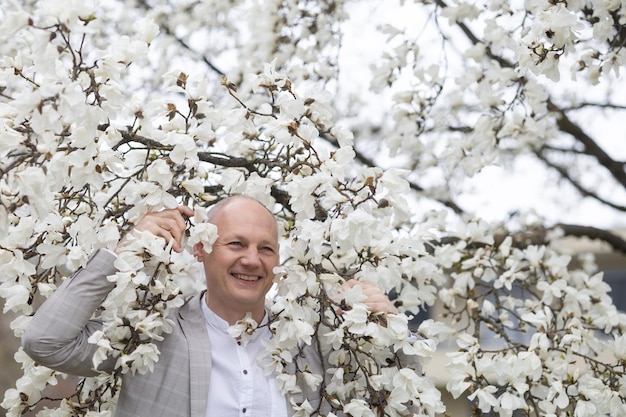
<point>184,44</point>
<point>577,185</point>
<point>566,125</point>
<point>617,242</point>
<point>367,161</point>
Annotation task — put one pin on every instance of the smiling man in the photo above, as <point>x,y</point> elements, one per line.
<point>239,269</point>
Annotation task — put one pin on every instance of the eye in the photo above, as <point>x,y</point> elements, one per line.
<point>235,243</point>
<point>268,249</point>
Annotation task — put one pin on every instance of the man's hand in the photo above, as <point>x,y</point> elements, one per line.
<point>168,224</point>
<point>376,301</point>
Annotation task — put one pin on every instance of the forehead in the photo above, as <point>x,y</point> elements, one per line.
<point>245,218</point>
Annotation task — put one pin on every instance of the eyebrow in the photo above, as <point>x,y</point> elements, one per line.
<point>244,238</point>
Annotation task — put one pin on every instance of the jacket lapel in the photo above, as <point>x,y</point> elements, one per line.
<point>193,326</point>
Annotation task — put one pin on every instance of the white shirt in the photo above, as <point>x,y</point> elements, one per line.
<point>239,386</point>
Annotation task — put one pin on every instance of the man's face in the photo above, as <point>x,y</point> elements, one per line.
<point>239,269</point>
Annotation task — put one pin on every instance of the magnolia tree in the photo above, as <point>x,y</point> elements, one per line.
<point>110,109</point>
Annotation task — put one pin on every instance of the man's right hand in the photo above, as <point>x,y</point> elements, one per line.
<point>168,224</point>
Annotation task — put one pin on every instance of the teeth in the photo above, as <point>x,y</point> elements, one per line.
<point>246,277</point>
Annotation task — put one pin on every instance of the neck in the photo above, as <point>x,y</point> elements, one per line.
<point>233,315</point>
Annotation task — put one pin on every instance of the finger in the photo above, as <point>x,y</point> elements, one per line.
<point>175,225</point>
<point>369,290</point>
<point>185,210</point>
<point>172,228</point>
<point>180,215</point>
<point>383,306</point>
<point>168,224</point>
<point>350,283</point>
<point>376,300</point>
<point>169,231</point>
<point>366,286</point>
<point>172,218</point>
<point>169,238</point>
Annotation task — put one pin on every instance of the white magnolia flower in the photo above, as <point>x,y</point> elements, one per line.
<point>486,398</point>
<point>144,358</point>
<point>509,403</point>
<point>243,329</point>
<point>312,380</point>
<point>345,138</point>
<point>32,183</point>
<point>104,347</point>
<point>287,384</point>
<point>205,233</point>
<point>147,29</point>
<point>16,298</point>
<point>303,409</point>
<point>358,408</point>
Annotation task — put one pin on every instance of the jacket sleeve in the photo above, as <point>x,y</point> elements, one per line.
<point>57,335</point>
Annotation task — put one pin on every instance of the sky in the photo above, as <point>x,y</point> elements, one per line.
<point>494,192</point>
<point>497,192</point>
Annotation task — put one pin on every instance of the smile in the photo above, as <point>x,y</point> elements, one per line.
<point>247,277</point>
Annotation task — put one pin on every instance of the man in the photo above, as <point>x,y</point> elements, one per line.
<point>201,370</point>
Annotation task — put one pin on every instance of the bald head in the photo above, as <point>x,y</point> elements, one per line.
<point>223,207</point>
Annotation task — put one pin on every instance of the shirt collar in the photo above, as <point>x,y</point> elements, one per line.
<point>218,323</point>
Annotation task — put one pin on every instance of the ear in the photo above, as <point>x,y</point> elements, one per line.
<point>198,251</point>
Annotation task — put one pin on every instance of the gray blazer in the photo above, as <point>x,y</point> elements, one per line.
<point>57,337</point>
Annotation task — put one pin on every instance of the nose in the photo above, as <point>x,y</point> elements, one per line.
<point>251,257</point>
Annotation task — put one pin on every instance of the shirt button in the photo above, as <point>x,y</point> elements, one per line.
<point>245,372</point>
<point>243,410</point>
